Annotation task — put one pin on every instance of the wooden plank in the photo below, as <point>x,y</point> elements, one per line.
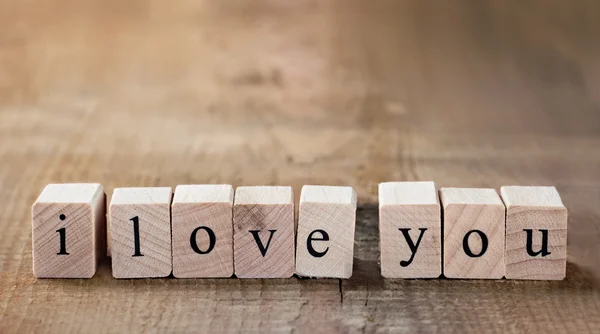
<point>333,92</point>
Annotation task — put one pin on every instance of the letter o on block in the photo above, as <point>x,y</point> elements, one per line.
<point>473,233</point>
<point>203,231</point>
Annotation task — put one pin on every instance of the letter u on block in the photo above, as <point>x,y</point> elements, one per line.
<point>536,233</point>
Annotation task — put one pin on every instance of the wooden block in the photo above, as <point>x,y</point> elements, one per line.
<point>202,231</point>
<point>67,230</point>
<point>410,230</point>
<point>536,233</point>
<point>263,239</point>
<point>326,223</point>
<point>140,230</point>
<point>473,233</point>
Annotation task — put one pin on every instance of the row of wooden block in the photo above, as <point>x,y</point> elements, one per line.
<point>212,231</point>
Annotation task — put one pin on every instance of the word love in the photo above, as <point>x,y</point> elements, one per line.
<point>212,231</point>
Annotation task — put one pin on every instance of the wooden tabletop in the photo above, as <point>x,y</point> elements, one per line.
<point>277,92</point>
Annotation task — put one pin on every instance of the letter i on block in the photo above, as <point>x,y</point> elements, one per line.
<point>473,233</point>
<point>140,232</point>
<point>536,233</point>
<point>326,222</point>
<point>410,230</point>
<point>264,228</point>
<point>202,231</point>
<point>68,230</point>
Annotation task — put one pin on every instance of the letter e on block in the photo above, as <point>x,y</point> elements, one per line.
<point>326,223</point>
<point>68,230</point>
<point>410,230</point>
<point>536,233</point>
<point>473,233</point>
<point>202,231</point>
<point>263,237</point>
<point>140,232</point>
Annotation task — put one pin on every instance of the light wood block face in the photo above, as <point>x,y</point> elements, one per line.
<point>536,233</point>
<point>410,230</point>
<point>68,230</point>
<point>473,233</point>
<point>202,230</point>
<point>140,226</point>
<point>264,232</point>
<point>326,224</point>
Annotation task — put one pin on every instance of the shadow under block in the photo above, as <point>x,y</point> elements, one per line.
<point>536,233</point>
<point>264,231</point>
<point>326,224</point>
<point>410,230</point>
<point>473,233</point>
<point>140,226</point>
<point>68,222</point>
<point>202,228</point>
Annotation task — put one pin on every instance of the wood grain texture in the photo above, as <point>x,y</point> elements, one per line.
<point>140,232</point>
<point>326,224</point>
<point>415,207</point>
<point>79,210</point>
<point>206,212</point>
<point>334,92</point>
<point>540,210</point>
<point>474,233</point>
<point>264,231</point>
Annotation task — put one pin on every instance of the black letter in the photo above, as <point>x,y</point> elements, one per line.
<point>484,243</point>
<point>411,245</point>
<point>544,251</point>
<point>310,239</point>
<point>62,233</point>
<point>263,249</point>
<point>136,236</point>
<point>212,239</point>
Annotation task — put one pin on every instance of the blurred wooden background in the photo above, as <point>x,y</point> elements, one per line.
<point>341,92</point>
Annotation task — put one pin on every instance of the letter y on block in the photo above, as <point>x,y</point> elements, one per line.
<point>410,230</point>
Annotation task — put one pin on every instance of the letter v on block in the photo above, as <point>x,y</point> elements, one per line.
<point>263,241</point>
<point>410,230</point>
<point>262,248</point>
